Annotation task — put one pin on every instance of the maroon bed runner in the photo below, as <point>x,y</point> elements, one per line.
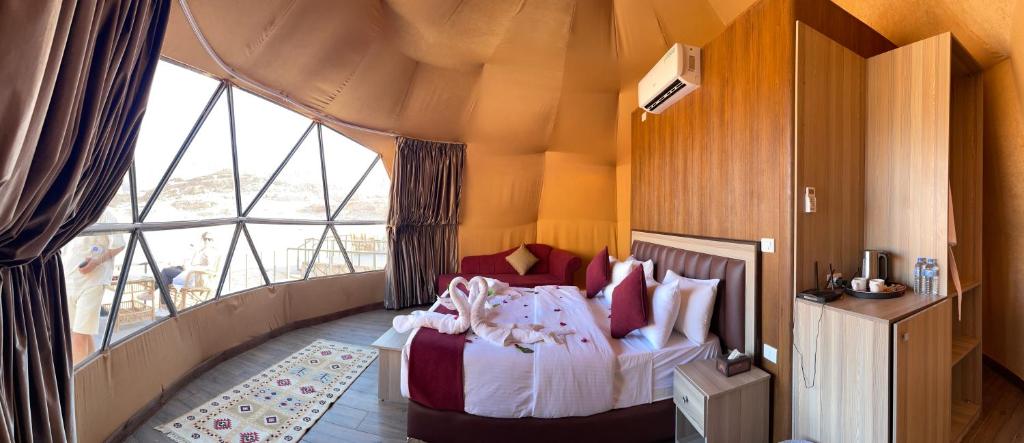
<point>435,368</point>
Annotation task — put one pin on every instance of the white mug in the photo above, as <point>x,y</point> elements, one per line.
<point>876,285</point>
<point>859,284</point>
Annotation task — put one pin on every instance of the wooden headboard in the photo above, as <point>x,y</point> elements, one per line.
<point>734,263</point>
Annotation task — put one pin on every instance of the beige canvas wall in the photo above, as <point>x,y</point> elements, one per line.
<point>1003,302</point>
<point>117,384</point>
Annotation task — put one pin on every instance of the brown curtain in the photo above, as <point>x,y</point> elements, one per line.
<point>423,220</point>
<point>75,78</point>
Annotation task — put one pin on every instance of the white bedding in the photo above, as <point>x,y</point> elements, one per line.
<point>589,374</point>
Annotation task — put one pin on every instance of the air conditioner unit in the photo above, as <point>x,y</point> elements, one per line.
<point>673,77</point>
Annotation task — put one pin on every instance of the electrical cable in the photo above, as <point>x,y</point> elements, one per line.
<point>814,368</point>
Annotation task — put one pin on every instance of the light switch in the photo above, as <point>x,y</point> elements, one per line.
<point>770,353</point>
<point>768,245</point>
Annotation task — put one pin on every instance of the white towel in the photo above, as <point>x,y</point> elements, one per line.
<point>500,334</point>
<point>443,323</point>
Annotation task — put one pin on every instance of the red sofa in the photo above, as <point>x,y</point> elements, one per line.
<point>553,267</point>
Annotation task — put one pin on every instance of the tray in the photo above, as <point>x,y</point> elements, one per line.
<point>900,290</point>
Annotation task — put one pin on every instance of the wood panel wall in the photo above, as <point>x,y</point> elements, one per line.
<point>965,162</point>
<point>720,162</point>
<point>717,164</point>
<point>829,148</point>
<point>908,124</point>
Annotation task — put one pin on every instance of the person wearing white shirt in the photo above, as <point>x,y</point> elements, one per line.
<point>205,259</point>
<point>88,269</point>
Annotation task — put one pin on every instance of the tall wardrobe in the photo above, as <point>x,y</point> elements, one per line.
<point>892,145</point>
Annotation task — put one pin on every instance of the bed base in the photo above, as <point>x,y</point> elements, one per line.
<point>643,423</point>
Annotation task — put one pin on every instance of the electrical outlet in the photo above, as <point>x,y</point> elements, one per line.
<point>768,245</point>
<point>770,353</point>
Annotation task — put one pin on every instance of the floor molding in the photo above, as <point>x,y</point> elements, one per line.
<point>144,414</point>
<point>1003,371</point>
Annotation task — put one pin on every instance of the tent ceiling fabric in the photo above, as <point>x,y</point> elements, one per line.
<point>532,87</point>
<point>472,70</point>
<point>538,89</point>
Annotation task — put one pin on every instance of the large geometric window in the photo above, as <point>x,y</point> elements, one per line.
<point>227,192</point>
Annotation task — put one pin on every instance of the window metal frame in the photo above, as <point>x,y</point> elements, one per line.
<point>138,227</point>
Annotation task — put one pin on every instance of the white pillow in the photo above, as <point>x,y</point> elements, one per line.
<point>620,270</point>
<point>697,303</point>
<point>648,267</point>
<point>664,303</point>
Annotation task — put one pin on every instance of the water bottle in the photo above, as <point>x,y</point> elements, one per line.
<point>933,276</point>
<point>918,274</point>
<point>926,280</point>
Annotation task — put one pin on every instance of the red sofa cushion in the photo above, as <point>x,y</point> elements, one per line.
<point>629,304</point>
<point>599,273</point>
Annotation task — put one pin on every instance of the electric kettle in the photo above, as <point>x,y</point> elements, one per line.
<point>875,265</point>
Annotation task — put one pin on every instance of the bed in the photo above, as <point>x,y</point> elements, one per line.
<point>625,392</point>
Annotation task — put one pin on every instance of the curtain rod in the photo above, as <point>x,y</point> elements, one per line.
<point>265,89</point>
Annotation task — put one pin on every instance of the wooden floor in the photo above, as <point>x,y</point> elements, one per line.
<point>1002,411</point>
<point>359,417</point>
<point>356,417</point>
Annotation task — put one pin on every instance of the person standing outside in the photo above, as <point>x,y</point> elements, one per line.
<point>88,269</point>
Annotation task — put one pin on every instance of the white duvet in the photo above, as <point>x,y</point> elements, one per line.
<point>587,374</point>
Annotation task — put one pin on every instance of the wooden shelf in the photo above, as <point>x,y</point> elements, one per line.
<point>961,347</point>
<point>962,416</point>
<point>968,287</point>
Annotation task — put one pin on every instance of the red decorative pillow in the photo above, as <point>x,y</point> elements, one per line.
<point>599,273</point>
<point>629,304</point>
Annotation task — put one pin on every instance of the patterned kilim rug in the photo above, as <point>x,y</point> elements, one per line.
<point>281,403</point>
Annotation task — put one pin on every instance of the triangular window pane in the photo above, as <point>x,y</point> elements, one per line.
<point>191,261</point>
<point>346,161</point>
<point>370,201</point>
<point>285,250</point>
<point>176,100</point>
<point>265,133</point>
<point>243,271</point>
<point>141,304</point>
<point>298,191</point>
<point>330,260</point>
<point>90,277</point>
<point>202,185</point>
<point>367,246</point>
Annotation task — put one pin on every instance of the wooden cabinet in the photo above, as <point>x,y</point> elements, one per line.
<point>869,373</point>
<point>921,377</point>
<point>893,144</point>
<point>713,408</point>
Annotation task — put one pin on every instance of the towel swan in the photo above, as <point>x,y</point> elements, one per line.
<point>473,313</point>
<point>501,335</point>
<point>443,323</point>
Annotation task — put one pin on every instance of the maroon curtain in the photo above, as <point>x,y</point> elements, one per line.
<point>75,78</point>
<point>423,220</point>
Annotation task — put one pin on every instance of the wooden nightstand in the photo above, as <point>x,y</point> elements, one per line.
<point>714,408</point>
<point>389,375</point>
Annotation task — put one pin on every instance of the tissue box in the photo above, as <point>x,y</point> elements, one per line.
<point>735,366</point>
